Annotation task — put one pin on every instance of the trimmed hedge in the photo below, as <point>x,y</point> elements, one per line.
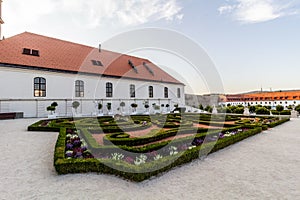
<point>144,171</point>
<point>141,145</point>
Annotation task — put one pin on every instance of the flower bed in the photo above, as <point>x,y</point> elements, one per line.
<point>138,159</point>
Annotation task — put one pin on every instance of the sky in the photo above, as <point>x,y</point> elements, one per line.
<point>252,44</point>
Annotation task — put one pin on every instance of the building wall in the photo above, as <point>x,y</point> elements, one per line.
<point>17,93</point>
<point>273,104</point>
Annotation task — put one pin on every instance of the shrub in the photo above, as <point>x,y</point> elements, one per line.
<point>100,106</point>
<point>75,104</point>
<point>262,111</point>
<point>285,112</point>
<point>279,108</point>
<point>274,112</point>
<point>51,109</point>
<point>108,106</point>
<point>54,104</point>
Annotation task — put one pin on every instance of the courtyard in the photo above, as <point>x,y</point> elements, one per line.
<point>265,166</point>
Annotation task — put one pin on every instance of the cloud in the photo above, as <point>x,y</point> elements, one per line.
<point>97,13</point>
<point>255,11</point>
<point>92,13</point>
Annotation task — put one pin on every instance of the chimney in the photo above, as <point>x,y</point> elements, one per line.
<point>1,21</point>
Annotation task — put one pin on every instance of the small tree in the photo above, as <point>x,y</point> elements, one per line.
<point>252,109</point>
<point>279,108</point>
<point>122,105</point>
<point>208,108</point>
<point>134,106</point>
<point>167,106</point>
<point>108,106</point>
<point>201,107</point>
<point>100,106</point>
<point>147,107</point>
<point>75,105</point>
<point>54,104</point>
<point>297,108</point>
<point>51,109</point>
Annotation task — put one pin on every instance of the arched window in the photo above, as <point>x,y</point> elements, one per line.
<point>150,91</point>
<point>79,88</point>
<point>39,87</point>
<point>178,93</point>
<point>132,91</point>
<point>109,89</point>
<point>166,92</point>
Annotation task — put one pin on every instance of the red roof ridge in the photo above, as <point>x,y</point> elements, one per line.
<point>53,38</point>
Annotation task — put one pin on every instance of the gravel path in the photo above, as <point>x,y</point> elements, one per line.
<point>266,166</point>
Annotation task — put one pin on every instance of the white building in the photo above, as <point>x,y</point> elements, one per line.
<point>37,70</point>
<point>284,98</point>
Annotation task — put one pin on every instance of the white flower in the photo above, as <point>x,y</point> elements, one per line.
<point>140,160</point>
<point>117,156</point>
<point>192,147</point>
<point>173,151</point>
<point>157,157</point>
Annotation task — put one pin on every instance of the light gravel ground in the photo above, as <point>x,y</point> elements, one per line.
<point>266,166</point>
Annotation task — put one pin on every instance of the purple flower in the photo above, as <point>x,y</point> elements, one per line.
<point>76,143</point>
<point>69,154</point>
<point>78,154</point>
<point>69,146</point>
<point>197,142</point>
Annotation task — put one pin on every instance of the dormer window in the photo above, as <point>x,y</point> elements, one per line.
<point>35,53</point>
<point>148,68</point>
<point>26,51</point>
<point>132,66</point>
<point>31,52</point>
<point>97,63</point>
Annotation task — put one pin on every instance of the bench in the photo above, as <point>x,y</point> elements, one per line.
<point>11,115</point>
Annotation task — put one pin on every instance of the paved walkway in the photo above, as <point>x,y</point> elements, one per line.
<point>266,166</point>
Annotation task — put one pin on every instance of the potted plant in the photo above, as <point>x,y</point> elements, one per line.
<point>52,109</point>
<point>156,108</point>
<point>168,106</point>
<point>100,106</point>
<point>122,105</point>
<point>108,106</point>
<point>75,105</point>
<point>134,106</point>
<point>147,108</point>
<point>162,108</point>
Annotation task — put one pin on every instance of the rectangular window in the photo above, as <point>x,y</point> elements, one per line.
<point>31,52</point>
<point>178,93</point>
<point>132,91</point>
<point>79,88</point>
<point>109,90</point>
<point>39,87</point>
<point>35,53</point>
<point>150,91</point>
<point>166,92</point>
<point>26,51</point>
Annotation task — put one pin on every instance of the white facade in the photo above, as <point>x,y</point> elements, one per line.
<point>272,103</point>
<point>17,93</point>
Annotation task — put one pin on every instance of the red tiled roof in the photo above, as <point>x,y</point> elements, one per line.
<point>62,55</point>
<point>265,96</point>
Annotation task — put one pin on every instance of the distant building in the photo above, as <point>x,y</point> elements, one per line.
<point>36,70</point>
<point>284,98</point>
<point>204,100</point>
